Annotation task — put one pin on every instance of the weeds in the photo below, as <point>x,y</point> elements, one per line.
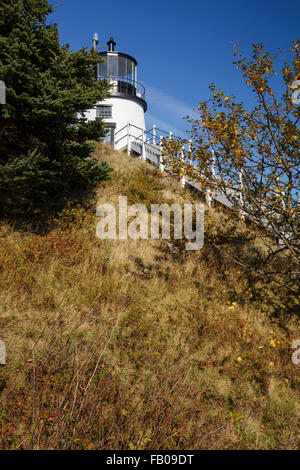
<point>123,345</point>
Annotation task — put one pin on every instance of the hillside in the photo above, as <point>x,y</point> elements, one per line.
<point>137,344</point>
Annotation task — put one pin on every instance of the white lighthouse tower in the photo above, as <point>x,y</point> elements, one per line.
<point>126,106</point>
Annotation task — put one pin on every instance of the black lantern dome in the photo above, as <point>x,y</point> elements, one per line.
<point>121,69</point>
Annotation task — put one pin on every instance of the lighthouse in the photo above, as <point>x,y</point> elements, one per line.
<point>126,105</point>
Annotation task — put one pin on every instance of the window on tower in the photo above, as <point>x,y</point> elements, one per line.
<point>104,111</point>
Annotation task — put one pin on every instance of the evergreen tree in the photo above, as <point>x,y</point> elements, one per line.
<point>45,142</point>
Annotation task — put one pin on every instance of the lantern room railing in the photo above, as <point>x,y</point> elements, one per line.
<point>124,85</point>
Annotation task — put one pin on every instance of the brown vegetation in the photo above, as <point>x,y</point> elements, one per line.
<point>138,344</point>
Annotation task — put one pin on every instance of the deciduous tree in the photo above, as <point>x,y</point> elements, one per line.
<point>252,156</point>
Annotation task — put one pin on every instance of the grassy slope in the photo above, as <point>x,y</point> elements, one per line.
<point>130,344</point>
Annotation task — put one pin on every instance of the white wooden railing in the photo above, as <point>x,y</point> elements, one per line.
<point>148,145</point>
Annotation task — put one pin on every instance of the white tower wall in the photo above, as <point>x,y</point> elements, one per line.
<point>125,109</point>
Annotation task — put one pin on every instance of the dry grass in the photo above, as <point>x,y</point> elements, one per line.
<point>134,345</point>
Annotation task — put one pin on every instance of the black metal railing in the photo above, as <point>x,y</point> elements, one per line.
<point>126,85</point>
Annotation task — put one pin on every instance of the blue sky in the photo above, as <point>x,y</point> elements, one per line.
<point>181,47</point>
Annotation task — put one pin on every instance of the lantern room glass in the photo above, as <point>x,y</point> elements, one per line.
<point>116,66</point>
